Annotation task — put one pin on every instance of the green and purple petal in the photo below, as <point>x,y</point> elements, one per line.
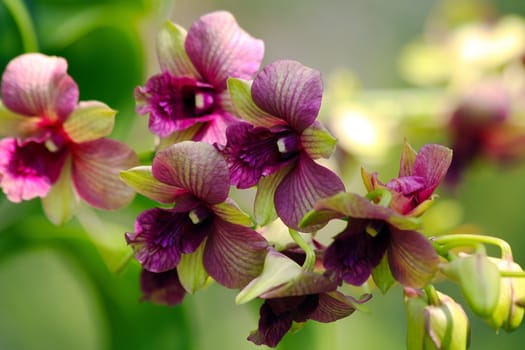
<point>91,120</point>
<point>290,91</point>
<point>171,53</point>
<point>334,306</point>
<point>219,49</point>
<point>34,84</point>
<point>412,259</point>
<point>17,125</point>
<point>163,288</point>
<point>96,172</point>
<point>194,166</point>
<point>303,186</point>
<point>28,171</point>
<point>234,254</point>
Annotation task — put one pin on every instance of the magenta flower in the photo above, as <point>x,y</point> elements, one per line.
<point>277,148</point>
<point>419,175</point>
<point>373,231</point>
<point>55,141</point>
<point>195,177</point>
<point>191,93</point>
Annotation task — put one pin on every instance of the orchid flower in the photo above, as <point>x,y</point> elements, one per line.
<point>162,288</point>
<point>419,175</point>
<point>203,223</point>
<point>373,232</point>
<point>190,95</point>
<point>55,146</point>
<point>277,147</point>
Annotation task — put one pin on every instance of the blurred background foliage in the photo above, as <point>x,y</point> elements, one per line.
<point>387,78</point>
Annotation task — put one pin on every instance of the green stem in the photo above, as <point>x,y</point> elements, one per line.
<point>433,298</point>
<point>309,262</point>
<point>513,274</point>
<point>24,23</point>
<point>384,195</point>
<point>447,242</point>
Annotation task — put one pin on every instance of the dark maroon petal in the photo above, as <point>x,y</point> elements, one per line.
<point>161,236</point>
<point>432,163</point>
<point>412,258</point>
<point>175,103</point>
<point>305,283</point>
<point>162,288</point>
<point>195,166</point>
<point>28,171</point>
<point>253,152</point>
<point>96,172</point>
<point>301,188</point>
<point>333,306</point>
<point>34,84</point>
<point>354,253</point>
<point>291,91</point>
<point>219,49</point>
<point>234,254</point>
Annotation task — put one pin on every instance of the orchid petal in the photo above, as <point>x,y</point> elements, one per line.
<point>408,157</point>
<point>162,288</point>
<point>214,131</point>
<point>195,166</point>
<point>179,136</point>
<point>317,141</point>
<point>412,258</point>
<point>332,307</point>
<point>304,284</point>
<point>91,120</point>
<point>16,125</point>
<point>230,211</point>
<point>28,171</point>
<point>37,85</point>
<point>96,168</point>
<point>240,92</point>
<point>219,49</point>
<point>290,91</point>
<point>192,274</point>
<point>307,183</point>
<point>141,180</point>
<point>61,202</point>
<point>370,180</point>
<point>264,208</point>
<point>234,254</point>
<point>171,53</point>
<point>432,163</point>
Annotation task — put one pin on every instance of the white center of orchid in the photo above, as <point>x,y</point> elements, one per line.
<point>198,215</point>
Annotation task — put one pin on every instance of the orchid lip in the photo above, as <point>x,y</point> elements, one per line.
<point>288,144</point>
<point>204,102</point>
<point>198,215</point>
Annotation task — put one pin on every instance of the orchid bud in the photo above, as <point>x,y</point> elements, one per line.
<point>509,312</point>
<point>479,279</point>
<point>438,324</point>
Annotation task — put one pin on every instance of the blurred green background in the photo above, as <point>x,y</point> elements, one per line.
<point>56,288</point>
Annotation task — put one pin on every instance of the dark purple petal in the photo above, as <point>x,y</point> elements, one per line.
<point>253,152</point>
<point>407,185</point>
<point>290,91</point>
<point>302,187</point>
<point>175,103</point>
<point>195,166</point>
<point>96,173</point>
<point>219,49</point>
<point>354,253</point>
<point>37,85</point>
<point>333,306</point>
<point>412,258</point>
<point>161,236</point>
<point>432,163</point>
<point>28,171</point>
<point>277,315</point>
<point>162,288</point>
<point>234,254</point>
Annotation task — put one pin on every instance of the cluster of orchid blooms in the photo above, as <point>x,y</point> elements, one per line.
<point>223,121</point>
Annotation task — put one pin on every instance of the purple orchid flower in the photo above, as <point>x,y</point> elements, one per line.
<point>277,148</point>
<point>162,288</point>
<point>372,232</point>
<point>190,95</point>
<point>307,295</point>
<point>419,175</point>
<point>53,141</point>
<point>194,176</point>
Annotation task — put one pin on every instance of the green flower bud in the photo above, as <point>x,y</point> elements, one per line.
<point>479,279</point>
<point>508,313</point>
<point>440,325</point>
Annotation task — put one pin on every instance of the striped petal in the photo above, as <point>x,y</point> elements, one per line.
<point>91,120</point>
<point>171,53</point>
